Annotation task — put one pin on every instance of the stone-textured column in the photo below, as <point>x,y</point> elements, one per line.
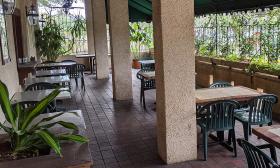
<point>28,36</point>
<point>100,38</point>
<point>121,61</point>
<point>175,79</point>
<point>89,25</point>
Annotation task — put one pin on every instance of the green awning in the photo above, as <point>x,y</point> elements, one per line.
<point>203,7</point>
<point>141,10</point>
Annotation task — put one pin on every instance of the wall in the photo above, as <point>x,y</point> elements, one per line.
<point>8,72</point>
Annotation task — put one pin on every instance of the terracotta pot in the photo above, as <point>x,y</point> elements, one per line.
<point>136,64</point>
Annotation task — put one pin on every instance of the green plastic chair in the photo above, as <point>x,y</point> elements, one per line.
<point>258,113</point>
<point>220,84</point>
<point>255,157</point>
<point>217,116</point>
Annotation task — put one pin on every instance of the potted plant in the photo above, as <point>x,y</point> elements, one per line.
<point>50,41</point>
<point>28,137</point>
<point>140,36</point>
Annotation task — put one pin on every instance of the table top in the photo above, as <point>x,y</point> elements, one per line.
<point>85,56</point>
<point>271,134</point>
<point>238,93</point>
<point>55,72</point>
<point>38,95</point>
<point>148,75</point>
<point>147,62</point>
<point>51,79</point>
<point>57,64</point>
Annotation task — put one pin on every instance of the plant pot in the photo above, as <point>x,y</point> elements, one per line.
<point>136,64</point>
<point>74,154</point>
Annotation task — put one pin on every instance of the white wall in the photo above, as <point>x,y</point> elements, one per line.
<point>8,72</point>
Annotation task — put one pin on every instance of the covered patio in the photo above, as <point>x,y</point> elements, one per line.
<point>154,116</point>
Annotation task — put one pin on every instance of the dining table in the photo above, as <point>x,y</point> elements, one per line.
<point>237,93</point>
<point>38,95</point>
<point>270,134</point>
<point>60,80</point>
<point>48,73</point>
<point>56,65</point>
<point>91,58</point>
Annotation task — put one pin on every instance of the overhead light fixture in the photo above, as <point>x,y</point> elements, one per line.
<point>8,6</point>
<point>32,15</point>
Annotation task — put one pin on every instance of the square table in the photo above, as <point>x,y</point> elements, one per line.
<point>38,95</point>
<point>148,75</point>
<point>56,65</point>
<point>54,72</point>
<point>270,134</point>
<point>52,79</point>
<point>91,58</point>
<point>238,93</point>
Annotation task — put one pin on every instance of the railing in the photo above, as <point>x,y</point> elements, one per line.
<point>66,21</point>
<point>247,40</point>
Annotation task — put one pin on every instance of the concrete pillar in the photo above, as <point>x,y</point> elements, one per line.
<point>175,79</point>
<point>121,61</point>
<point>28,37</point>
<point>89,25</point>
<point>100,38</point>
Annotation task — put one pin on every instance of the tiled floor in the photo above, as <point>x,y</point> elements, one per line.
<point>123,134</point>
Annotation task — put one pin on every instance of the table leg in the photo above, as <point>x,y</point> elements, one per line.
<point>91,67</point>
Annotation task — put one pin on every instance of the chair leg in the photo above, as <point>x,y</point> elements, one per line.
<point>250,130</point>
<point>205,144</point>
<point>83,82</point>
<point>144,102</point>
<point>76,80</point>
<point>246,131</point>
<point>141,95</point>
<point>234,142</point>
<point>229,137</point>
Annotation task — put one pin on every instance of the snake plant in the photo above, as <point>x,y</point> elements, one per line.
<point>28,135</point>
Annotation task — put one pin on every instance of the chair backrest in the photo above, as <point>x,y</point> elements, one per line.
<point>48,62</point>
<point>218,115</point>
<point>256,157</point>
<point>148,67</point>
<point>146,84</point>
<point>25,105</point>
<point>40,86</point>
<point>220,84</point>
<point>69,61</point>
<point>261,109</point>
<point>76,70</point>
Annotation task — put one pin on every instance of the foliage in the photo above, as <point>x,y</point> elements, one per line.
<point>27,133</point>
<point>141,36</point>
<point>252,37</point>
<point>50,40</point>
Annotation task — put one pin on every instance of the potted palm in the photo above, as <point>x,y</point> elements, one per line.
<point>140,36</point>
<point>51,41</point>
<point>29,134</point>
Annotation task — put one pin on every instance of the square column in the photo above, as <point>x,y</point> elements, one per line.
<point>89,25</point>
<point>175,79</point>
<point>100,38</point>
<point>121,60</point>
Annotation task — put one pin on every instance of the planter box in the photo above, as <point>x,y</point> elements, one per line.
<point>216,61</point>
<point>74,155</point>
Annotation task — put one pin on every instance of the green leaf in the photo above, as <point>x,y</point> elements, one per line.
<point>6,129</point>
<point>62,123</point>
<point>74,138</point>
<point>51,140</point>
<point>39,108</point>
<point>6,105</point>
